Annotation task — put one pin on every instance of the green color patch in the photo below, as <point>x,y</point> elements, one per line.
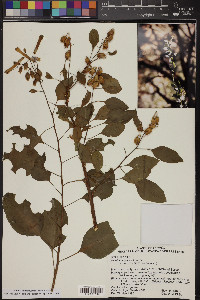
<point>16,4</point>
<point>62,4</point>
<point>70,12</point>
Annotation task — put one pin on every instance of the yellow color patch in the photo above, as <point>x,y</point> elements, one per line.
<point>31,4</point>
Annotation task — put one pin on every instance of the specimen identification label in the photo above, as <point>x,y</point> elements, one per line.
<point>29,294</point>
<point>152,272</point>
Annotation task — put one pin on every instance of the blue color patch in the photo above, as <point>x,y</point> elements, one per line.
<point>46,4</point>
<point>9,4</point>
<point>77,12</point>
<point>85,4</point>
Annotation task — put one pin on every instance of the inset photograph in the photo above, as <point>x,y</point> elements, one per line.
<point>166,65</point>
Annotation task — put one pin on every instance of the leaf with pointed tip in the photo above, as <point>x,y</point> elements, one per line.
<point>136,121</point>
<point>64,113</point>
<point>112,53</point>
<point>86,99</point>
<point>83,115</point>
<point>99,243</point>
<point>166,154</point>
<point>63,87</point>
<point>81,78</point>
<point>97,160</point>
<point>119,116</point>
<point>29,133</point>
<point>21,217</point>
<point>31,161</point>
<point>102,113</point>
<point>48,76</point>
<point>113,129</point>
<point>110,84</point>
<point>97,144</point>
<point>54,220</point>
<point>93,38</point>
<point>142,167</point>
<point>115,103</point>
<point>150,191</point>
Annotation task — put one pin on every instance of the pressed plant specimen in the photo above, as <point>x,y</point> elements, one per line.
<point>99,241</point>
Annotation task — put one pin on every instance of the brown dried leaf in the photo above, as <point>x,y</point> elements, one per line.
<point>86,99</point>
<point>48,76</point>
<point>136,121</point>
<point>81,78</point>
<point>97,160</point>
<point>115,103</point>
<point>27,76</point>
<point>150,191</point>
<point>63,87</point>
<point>84,153</point>
<point>112,53</point>
<point>29,133</point>
<point>21,217</point>
<point>93,38</point>
<point>119,116</point>
<point>167,155</point>
<point>96,144</point>
<point>31,161</point>
<point>100,243</point>
<point>83,115</point>
<point>51,231</point>
<point>102,113</point>
<point>77,134</point>
<point>142,167</point>
<point>110,84</point>
<point>64,113</point>
<point>113,129</point>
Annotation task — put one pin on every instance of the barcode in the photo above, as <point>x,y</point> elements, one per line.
<point>91,290</point>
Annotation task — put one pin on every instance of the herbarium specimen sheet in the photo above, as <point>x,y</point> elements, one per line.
<point>99,162</point>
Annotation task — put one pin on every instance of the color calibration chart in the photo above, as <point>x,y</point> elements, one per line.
<point>78,9</point>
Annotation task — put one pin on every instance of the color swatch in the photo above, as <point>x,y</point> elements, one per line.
<point>76,8</point>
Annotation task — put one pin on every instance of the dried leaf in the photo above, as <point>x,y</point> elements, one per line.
<point>150,191</point>
<point>110,84</point>
<point>46,225</point>
<point>48,76</point>
<point>21,217</point>
<point>38,43</point>
<point>102,183</point>
<point>64,113</point>
<point>86,99</point>
<point>119,116</point>
<point>51,231</point>
<point>102,113</point>
<point>142,167</point>
<point>97,160</point>
<point>83,115</point>
<point>84,153</point>
<point>29,133</point>
<point>97,144</point>
<point>27,76</point>
<point>112,53</point>
<point>33,91</point>
<point>136,121</point>
<point>77,134</point>
<point>30,160</point>
<point>93,38</point>
<point>115,103</point>
<point>63,87</point>
<point>100,243</point>
<point>81,78</point>
<point>113,129</point>
<point>167,155</point>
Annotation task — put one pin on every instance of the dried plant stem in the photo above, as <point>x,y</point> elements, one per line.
<point>73,202</point>
<point>70,256</point>
<point>70,158</point>
<point>61,181</point>
<point>90,194</point>
<point>73,181</point>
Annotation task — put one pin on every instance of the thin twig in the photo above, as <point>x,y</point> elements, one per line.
<point>50,146</point>
<point>73,202</point>
<point>64,134</point>
<point>72,181</point>
<point>55,187</point>
<point>46,130</point>
<point>69,256</point>
<point>70,158</point>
